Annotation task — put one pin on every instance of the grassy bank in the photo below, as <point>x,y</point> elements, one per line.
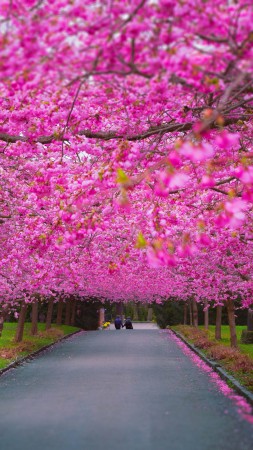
<point>238,362</point>
<point>244,348</point>
<point>10,351</point>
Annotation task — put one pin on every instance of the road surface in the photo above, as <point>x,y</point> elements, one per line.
<point>126,389</point>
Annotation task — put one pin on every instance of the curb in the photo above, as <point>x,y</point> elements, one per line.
<point>230,380</point>
<point>32,355</point>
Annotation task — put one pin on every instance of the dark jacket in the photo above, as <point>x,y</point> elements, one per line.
<point>118,323</point>
<point>128,324</point>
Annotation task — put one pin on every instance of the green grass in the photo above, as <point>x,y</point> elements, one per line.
<point>30,343</point>
<point>225,333</point>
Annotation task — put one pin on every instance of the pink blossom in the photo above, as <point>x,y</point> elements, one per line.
<point>196,152</point>
<point>227,140</point>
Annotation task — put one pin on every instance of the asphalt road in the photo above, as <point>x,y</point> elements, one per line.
<point>131,389</point>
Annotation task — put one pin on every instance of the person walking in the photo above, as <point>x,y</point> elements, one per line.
<point>128,324</point>
<point>118,323</point>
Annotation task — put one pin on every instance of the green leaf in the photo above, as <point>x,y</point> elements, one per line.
<point>121,177</point>
<point>141,241</point>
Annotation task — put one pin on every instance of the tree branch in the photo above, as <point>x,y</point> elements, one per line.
<point>109,135</point>
<point>213,38</point>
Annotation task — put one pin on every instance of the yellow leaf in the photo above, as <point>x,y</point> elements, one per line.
<point>121,177</point>
<point>141,241</point>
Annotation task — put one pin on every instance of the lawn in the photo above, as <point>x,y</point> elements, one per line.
<point>10,351</point>
<point>245,348</point>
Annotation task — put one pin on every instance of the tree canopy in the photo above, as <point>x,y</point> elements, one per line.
<point>126,149</point>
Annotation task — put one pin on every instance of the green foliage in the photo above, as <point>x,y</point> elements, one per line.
<point>169,313</point>
<point>137,311</point>
<point>87,314</point>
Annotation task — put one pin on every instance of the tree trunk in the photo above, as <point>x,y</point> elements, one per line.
<point>4,315</point>
<point>190,313</point>
<point>250,320</point>
<point>73,313</point>
<point>231,320</point>
<point>119,310</point>
<point>49,313</point>
<point>136,316</point>
<point>59,312</point>
<point>21,323</point>
<point>206,316</point>
<point>101,319</point>
<point>139,311</point>
<point>247,335</point>
<point>1,323</point>
<point>218,322</point>
<point>195,313</point>
<point>150,314</point>
<point>185,313</point>
<point>35,309</point>
<point>68,312</point>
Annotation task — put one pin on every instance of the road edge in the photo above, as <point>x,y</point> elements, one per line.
<point>230,380</point>
<point>32,355</point>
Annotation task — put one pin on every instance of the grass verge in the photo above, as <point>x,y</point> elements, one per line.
<point>237,362</point>
<point>11,351</point>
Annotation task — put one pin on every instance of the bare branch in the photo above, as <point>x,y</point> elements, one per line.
<point>238,105</point>
<point>227,180</point>
<point>213,38</point>
<point>131,16</point>
<point>230,88</point>
<point>37,5</point>
<point>109,135</point>
<point>69,114</point>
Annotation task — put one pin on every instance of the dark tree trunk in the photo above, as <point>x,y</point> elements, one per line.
<point>1,323</point>
<point>218,322</point>
<point>247,335</point>
<point>206,316</point>
<point>73,313</point>
<point>4,315</point>
<point>190,313</point>
<point>68,312</point>
<point>59,312</point>
<point>21,323</point>
<point>185,313</point>
<point>119,309</point>
<point>231,321</point>
<point>195,313</point>
<point>35,310</point>
<point>250,320</point>
<point>50,308</point>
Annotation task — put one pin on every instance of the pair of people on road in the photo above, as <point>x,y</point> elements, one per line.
<point>118,323</point>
